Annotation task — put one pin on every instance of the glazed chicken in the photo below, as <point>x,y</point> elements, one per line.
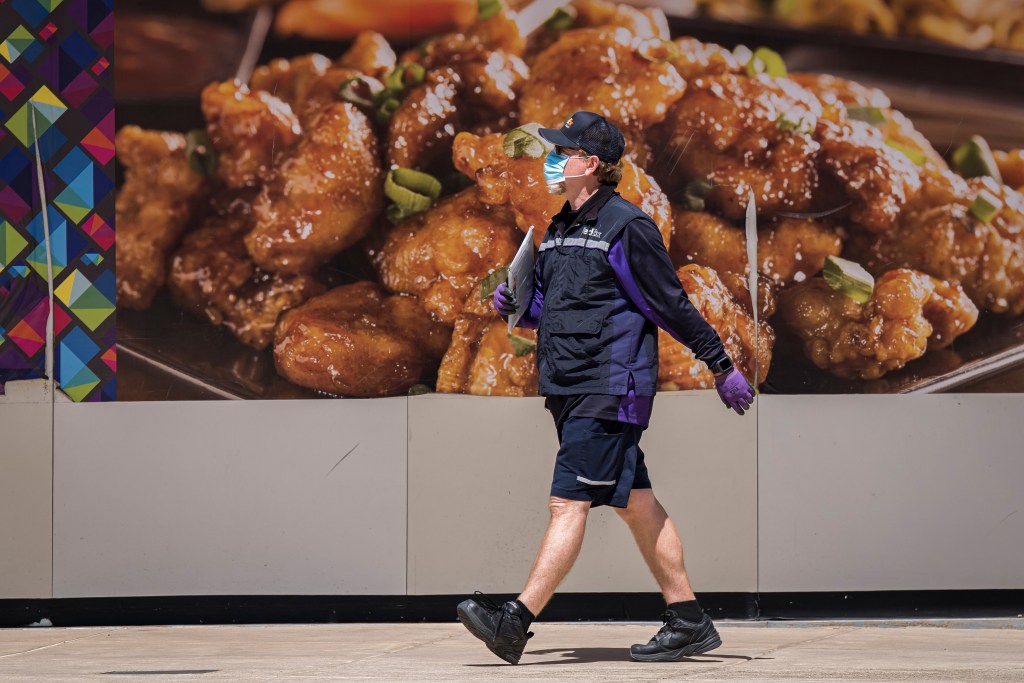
<point>602,70</point>
<point>908,312</point>
<point>481,359</point>
<point>726,129</point>
<point>839,95</point>
<point>519,184</point>
<point>442,254</point>
<point>421,130</point>
<point>157,200</point>
<point>213,277</point>
<point>940,236</point>
<point>788,249</point>
<point>1011,167</point>
<point>247,129</point>
<point>322,198</point>
<point>357,340</point>
<point>733,321</point>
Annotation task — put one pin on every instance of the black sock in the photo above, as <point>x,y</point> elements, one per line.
<point>526,615</point>
<point>688,611</point>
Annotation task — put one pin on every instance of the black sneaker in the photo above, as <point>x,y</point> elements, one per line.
<point>678,639</point>
<point>499,626</point>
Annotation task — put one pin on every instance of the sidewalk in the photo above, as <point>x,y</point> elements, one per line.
<point>969,650</point>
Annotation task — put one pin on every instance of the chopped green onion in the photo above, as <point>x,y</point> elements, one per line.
<point>915,155</point>
<point>411,191</point>
<point>657,50</point>
<point>419,389</point>
<point>521,346</point>
<point>765,61</point>
<point>386,109</point>
<point>199,152</point>
<point>974,159</point>
<point>405,75</point>
<point>848,278</point>
<point>491,282</point>
<point>487,9</point>
<point>985,206</point>
<point>561,19</point>
<point>425,47</point>
<point>695,192</point>
<point>362,90</point>
<point>872,115</point>
<point>524,140</point>
<point>799,126</point>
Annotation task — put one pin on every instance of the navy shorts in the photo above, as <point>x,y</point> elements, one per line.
<point>600,461</point>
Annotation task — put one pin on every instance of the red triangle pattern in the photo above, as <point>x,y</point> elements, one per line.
<point>27,339</point>
<point>110,358</point>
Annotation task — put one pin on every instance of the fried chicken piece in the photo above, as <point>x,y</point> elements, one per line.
<point>908,311</point>
<point>945,240</point>
<point>247,128</point>
<point>608,76</point>
<point>731,318</point>
<point>642,23</point>
<point>481,359</point>
<point>422,128</point>
<point>877,179</point>
<point>442,254</point>
<point>788,249</point>
<point>289,79</point>
<point>1011,167</point>
<point>696,59</point>
<point>156,202</point>
<point>213,277</point>
<point>838,94</point>
<point>726,129</point>
<point>767,292</point>
<point>519,184</point>
<point>490,78</point>
<point>322,198</point>
<point>370,54</point>
<point>357,340</point>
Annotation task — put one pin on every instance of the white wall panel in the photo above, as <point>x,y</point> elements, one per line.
<point>891,492</point>
<point>230,497</point>
<point>26,477</point>
<point>480,473</point>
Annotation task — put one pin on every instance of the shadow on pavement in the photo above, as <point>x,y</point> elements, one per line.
<point>590,655</point>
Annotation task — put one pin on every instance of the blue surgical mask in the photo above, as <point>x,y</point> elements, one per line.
<point>554,168</point>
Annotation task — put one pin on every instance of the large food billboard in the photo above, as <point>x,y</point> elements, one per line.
<point>315,198</point>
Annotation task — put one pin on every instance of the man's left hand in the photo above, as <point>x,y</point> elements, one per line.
<point>734,390</point>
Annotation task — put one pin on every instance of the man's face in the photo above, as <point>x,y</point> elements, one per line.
<point>579,165</point>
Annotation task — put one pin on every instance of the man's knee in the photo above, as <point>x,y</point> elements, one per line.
<point>641,502</point>
<point>564,506</point>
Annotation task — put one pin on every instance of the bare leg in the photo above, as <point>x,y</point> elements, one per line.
<point>558,551</point>
<point>659,543</point>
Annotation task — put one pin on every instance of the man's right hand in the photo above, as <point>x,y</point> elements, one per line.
<point>504,302</point>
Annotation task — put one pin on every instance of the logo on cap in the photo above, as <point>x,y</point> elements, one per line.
<point>568,124</point>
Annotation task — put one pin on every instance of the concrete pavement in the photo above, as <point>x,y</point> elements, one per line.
<point>968,650</point>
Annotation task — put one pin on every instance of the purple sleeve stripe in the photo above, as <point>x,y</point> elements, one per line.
<point>617,257</point>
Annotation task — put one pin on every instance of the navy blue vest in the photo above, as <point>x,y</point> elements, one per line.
<point>591,338</point>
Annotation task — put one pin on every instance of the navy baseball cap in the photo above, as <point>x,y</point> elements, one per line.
<point>590,132</point>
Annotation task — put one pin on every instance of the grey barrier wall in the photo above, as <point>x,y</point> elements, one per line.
<point>447,494</point>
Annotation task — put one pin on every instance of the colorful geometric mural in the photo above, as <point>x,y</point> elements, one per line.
<point>56,88</point>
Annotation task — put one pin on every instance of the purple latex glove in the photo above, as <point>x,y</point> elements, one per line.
<point>504,304</point>
<point>734,390</point>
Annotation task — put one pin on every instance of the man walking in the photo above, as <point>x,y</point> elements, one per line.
<point>604,284</point>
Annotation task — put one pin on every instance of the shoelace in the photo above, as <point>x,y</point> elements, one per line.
<point>490,604</point>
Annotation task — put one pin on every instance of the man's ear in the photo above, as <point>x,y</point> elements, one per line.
<point>592,164</point>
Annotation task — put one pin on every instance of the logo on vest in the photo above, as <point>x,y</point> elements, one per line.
<point>591,232</point>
